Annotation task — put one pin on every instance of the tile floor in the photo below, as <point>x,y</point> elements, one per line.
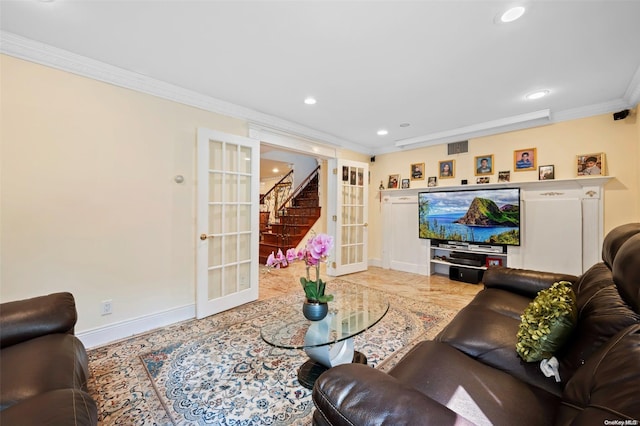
<point>447,293</point>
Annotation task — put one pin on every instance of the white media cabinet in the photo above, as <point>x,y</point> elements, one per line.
<point>561,227</point>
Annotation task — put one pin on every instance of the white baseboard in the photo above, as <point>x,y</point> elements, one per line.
<point>121,330</point>
<point>375,262</point>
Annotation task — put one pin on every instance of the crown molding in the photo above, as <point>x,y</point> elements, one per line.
<point>632,95</point>
<point>41,53</point>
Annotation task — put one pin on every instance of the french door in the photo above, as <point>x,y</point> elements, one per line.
<point>348,187</point>
<point>227,221</point>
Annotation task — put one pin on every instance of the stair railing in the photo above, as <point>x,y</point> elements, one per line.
<point>274,196</point>
<point>287,202</point>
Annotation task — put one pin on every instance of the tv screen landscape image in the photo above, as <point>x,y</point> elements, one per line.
<point>475,216</point>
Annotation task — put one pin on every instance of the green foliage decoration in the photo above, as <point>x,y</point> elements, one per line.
<point>547,322</point>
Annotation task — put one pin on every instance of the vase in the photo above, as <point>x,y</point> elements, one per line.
<point>315,311</point>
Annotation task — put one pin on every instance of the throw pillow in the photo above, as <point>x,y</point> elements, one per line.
<point>547,322</point>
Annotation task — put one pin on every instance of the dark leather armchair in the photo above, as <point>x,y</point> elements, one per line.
<point>43,366</point>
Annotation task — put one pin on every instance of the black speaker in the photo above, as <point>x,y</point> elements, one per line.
<point>466,275</point>
<point>621,115</point>
<point>373,159</point>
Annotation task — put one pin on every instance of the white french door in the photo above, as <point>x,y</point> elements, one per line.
<point>227,221</point>
<point>348,186</point>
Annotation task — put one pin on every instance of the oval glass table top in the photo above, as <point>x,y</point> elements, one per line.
<point>353,310</point>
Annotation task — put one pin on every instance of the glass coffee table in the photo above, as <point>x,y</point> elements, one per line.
<point>328,342</point>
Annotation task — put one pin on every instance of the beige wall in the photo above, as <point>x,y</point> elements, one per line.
<point>89,202</point>
<point>556,144</point>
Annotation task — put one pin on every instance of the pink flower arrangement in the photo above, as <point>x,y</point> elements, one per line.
<point>316,251</point>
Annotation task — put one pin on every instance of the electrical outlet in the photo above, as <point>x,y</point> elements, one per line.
<point>105,307</point>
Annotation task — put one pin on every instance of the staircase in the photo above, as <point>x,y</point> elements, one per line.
<point>293,219</point>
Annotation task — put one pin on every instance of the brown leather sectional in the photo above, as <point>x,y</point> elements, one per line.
<point>471,374</point>
<point>43,366</point>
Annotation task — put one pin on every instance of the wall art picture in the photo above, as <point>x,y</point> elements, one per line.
<point>433,181</point>
<point>393,181</point>
<point>447,169</point>
<point>546,172</point>
<point>484,165</point>
<point>405,183</point>
<point>504,176</point>
<point>482,179</point>
<point>591,164</point>
<point>417,171</point>
<point>524,159</point>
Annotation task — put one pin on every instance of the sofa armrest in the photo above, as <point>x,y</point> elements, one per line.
<point>356,394</point>
<point>26,319</point>
<point>525,282</point>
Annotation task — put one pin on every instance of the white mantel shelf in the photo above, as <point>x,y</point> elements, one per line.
<point>584,182</point>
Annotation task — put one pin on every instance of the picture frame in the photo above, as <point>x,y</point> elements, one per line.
<point>504,176</point>
<point>345,173</point>
<point>524,159</point>
<point>417,171</point>
<point>393,182</point>
<point>447,169</point>
<point>482,179</point>
<point>405,184</point>
<point>483,165</point>
<point>546,172</point>
<point>591,164</point>
<point>493,261</point>
<point>433,181</point>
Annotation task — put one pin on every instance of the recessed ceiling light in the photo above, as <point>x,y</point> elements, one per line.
<point>512,14</point>
<point>310,101</point>
<point>383,132</point>
<point>537,94</point>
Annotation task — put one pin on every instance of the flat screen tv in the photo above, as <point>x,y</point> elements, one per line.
<point>476,216</point>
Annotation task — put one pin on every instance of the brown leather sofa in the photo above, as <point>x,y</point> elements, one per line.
<point>471,374</point>
<point>43,366</point>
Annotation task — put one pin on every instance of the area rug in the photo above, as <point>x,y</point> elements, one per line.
<point>218,371</point>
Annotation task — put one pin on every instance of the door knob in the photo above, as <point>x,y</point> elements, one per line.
<point>205,236</point>
<point>365,224</point>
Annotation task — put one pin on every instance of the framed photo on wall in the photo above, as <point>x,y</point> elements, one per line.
<point>433,181</point>
<point>417,171</point>
<point>393,181</point>
<point>483,165</point>
<point>504,176</point>
<point>524,159</point>
<point>546,172</point>
<point>405,183</point>
<point>591,164</point>
<point>447,169</point>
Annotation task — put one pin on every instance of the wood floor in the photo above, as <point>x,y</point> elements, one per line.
<point>435,288</point>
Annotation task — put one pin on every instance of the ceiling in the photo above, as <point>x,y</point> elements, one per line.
<point>445,69</point>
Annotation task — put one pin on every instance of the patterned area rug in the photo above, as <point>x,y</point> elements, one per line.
<point>219,371</point>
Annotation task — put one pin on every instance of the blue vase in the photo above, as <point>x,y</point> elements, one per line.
<point>315,311</point>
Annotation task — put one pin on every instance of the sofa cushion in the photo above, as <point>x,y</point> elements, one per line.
<point>486,330</point>
<point>601,314</point>
<point>62,407</point>
<point>54,361</point>
<point>626,273</point>
<point>615,239</point>
<point>547,322</point>
<point>476,391</point>
<point>25,319</point>
<point>605,389</point>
